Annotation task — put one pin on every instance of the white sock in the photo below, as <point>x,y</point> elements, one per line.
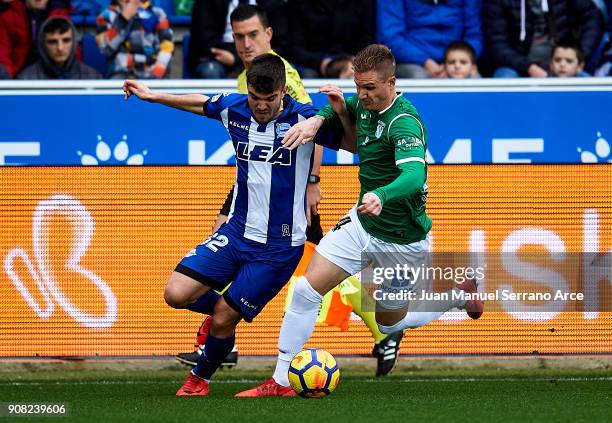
<point>297,327</point>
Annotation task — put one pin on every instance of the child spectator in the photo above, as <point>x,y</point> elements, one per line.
<point>340,67</point>
<point>519,35</point>
<point>567,60</point>
<point>136,39</point>
<point>460,61</point>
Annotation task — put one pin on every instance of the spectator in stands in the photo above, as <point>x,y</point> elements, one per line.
<point>57,53</point>
<point>322,30</point>
<point>341,66</point>
<point>460,61</point>
<point>520,34</point>
<point>418,32</point>
<point>19,23</point>
<point>252,37</point>
<point>212,53</point>
<point>136,39</point>
<point>567,60</point>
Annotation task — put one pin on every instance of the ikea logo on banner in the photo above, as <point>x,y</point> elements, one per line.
<point>263,153</point>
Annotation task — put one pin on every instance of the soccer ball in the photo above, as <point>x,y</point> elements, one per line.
<point>314,373</point>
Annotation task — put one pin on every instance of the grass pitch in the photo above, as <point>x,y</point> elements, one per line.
<point>406,396</point>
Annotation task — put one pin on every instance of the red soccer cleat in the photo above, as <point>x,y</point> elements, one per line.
<point>267,389</point>
<point>193,386</point>
<point>203,331</point>
<point>474,308</point>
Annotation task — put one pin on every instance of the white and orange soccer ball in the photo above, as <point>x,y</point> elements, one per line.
<point>314,373</point>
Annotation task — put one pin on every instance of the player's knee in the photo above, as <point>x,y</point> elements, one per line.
<point>305,297</point>
<point>174,297</point>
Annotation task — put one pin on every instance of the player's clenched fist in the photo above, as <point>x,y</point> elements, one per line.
<point>370,204</point>
<point>137,88</point>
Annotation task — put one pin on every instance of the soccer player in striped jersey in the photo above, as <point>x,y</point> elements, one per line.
<point>252,36</point>
<point>262,242</point>
<point>388,226</point>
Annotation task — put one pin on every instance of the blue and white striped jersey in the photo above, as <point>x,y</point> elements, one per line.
<point>269,204</point>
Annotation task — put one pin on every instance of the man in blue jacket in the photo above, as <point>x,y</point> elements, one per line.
<point>418,32</point>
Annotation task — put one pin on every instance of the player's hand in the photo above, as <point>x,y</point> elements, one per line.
<point>225,57</point>
<point>138,89</point>
<point>302,132</point>
<point>313,198</point>
<point>336,98</point>
<point>370,204</point>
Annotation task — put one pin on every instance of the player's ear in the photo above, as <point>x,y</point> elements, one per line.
<point>284,90</point>
<point>269,32</point>
<point>392,79</point>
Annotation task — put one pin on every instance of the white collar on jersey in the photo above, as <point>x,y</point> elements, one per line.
<point>398,95</point>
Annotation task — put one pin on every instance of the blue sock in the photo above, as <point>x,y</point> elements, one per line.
<point>206,303</point>
<point>215,350</point>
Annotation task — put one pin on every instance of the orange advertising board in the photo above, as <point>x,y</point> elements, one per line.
<point>86,252</point>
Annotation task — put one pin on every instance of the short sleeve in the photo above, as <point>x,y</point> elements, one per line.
<point>408,136</point>
<point>216,104</point>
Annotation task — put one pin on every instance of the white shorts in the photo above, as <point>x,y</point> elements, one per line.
<point>351,248</point>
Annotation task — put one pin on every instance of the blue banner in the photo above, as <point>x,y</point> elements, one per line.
<point>464,127</point>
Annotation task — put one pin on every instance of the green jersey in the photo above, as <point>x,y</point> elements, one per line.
<point>391,145</point>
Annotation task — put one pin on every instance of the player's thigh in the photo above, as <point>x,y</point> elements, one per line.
<point>323,275</point>
<point>404,278</point>
<point>212,264</point>
<point>339,254</point>
<point>260,279</point>
<point>182,290</point>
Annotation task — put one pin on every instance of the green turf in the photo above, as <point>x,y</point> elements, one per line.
<point>408,396</point>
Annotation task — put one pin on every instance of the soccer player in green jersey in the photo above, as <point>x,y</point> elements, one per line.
<point>389,225</point>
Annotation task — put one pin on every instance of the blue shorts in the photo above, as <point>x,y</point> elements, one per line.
<point>258,271</point>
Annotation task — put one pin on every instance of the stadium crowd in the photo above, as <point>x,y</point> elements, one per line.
<point>429,38</point>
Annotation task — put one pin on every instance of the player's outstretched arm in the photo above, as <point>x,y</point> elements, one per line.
<point>193,103</point>
<point>302,132</point>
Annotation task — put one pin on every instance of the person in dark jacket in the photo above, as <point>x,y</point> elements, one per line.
<point>20,21</point>
<point>57,53</point>
<point>519,34</point>
<point>419,31</point>
<point>212,53</point>
<point>322,30</point>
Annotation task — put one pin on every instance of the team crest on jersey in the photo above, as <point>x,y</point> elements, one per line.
<point>281,129</point>
<point>380,128</point>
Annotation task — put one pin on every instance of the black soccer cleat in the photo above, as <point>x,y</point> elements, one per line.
<point>191,358</point>
<point>387,353</point>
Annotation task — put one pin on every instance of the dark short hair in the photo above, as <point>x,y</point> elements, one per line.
<point>377,57</point>
<point>569,43</point>
<point>461,45</point>
<point>57,23</point>
<point>247,11</point>
<point>266,73</point>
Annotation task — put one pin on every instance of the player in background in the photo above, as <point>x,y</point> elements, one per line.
<point>261,243</point>
<point>388,223</point>
<point>253,37</point>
